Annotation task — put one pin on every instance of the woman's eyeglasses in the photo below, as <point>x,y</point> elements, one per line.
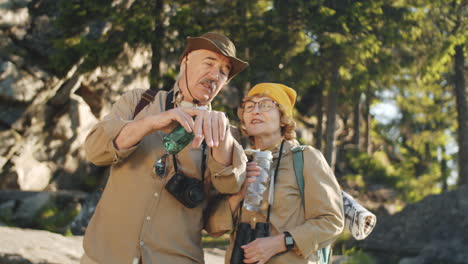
<point>263,105</point>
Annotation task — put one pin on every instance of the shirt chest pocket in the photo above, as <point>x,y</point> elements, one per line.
<point>287,196</point>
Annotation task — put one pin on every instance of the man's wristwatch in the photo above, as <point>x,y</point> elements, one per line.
<point>288,241</point>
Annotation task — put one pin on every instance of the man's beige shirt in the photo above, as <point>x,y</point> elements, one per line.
<point>136,217</point>
<point>313,225</point>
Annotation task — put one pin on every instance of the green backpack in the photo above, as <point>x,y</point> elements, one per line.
<point>298,158</point>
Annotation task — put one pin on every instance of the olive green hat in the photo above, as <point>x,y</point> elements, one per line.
<point>217,43</point>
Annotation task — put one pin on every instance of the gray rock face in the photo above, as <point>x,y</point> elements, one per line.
<point>29,206</point>
<point>24,209</point>
<point>36,246</point>
<point>81,221</point>
<point>44,119</point>
<point>16,84</point>
<point>15,13</point>
<point>434,230</point>
<point>26,246</point>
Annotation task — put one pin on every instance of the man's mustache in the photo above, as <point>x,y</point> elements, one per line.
<point>210,82</point>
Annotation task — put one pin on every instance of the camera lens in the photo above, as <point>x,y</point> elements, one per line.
<point>188,191</point>
<point>195,194</point>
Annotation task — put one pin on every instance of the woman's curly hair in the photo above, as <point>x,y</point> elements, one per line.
<point>288,125</point>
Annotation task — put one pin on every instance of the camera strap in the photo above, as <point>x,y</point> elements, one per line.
<point>203,162</point>
<point>275,176</point>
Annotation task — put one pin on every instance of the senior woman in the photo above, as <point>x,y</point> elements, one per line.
<point>298,226</point>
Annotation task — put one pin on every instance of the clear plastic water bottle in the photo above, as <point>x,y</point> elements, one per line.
<point>254,197</point>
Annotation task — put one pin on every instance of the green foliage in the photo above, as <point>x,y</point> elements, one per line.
<point>357,256</point>
<point>415,189</point>
<point>56,219</point>
<point>377,169</point>
<point>368,168</point>
<point>353,255</point>
<point>91,181</point>
<point>74,12</point>
<point>95,52</point>
<point>6,215</point>
<point>339,244</point>
<point>65,57</point>
<point>98,53</point>
<point>215,242</point>
<point>355,180</point>
<point>302,141</point>
<point>402,47</point>
<point>96,31</point>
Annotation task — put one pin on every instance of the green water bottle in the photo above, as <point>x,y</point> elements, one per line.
<point>179,137</point>
<point>177,140</point>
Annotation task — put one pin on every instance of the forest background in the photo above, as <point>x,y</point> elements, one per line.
<point>381,85</point>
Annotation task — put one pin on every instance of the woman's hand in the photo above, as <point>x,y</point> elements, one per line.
<point>252,171</point>
<point>262,249</point>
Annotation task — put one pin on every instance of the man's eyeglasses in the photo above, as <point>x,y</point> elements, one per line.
<point>263,105</point>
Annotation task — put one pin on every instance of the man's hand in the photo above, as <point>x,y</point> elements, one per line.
<point>252,172</point>
<point>208,125</point>
<point>133,132</point>
<point>262,249</point>
<point>166,121</point>
<point>211,126</point>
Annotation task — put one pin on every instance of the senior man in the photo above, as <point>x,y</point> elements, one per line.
<point>143,215</point>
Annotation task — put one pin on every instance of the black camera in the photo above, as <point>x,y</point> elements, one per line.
<point>245,235</point>
<point>188,191</point>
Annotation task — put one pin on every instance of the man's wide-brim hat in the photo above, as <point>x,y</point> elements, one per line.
<point>216,43</point>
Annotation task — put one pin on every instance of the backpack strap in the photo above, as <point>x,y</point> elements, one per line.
<point>298,160</point>
<point>146,98</point>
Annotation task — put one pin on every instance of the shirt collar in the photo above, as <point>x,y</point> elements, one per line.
<point>178,99</point>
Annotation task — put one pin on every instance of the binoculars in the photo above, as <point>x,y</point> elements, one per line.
<point>244,235</point>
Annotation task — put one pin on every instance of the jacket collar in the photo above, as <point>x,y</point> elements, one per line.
<point>287,148</point>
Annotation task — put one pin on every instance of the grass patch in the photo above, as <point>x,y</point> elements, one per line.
<point>215,242</point>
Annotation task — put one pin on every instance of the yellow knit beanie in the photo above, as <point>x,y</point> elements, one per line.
<point>282,94</point>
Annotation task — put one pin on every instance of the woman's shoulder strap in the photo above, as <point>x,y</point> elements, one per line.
<point>298,160</point>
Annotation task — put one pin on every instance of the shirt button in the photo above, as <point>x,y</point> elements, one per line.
<point>148,218</point>
<point>142,243</point>
<point>156,194</point>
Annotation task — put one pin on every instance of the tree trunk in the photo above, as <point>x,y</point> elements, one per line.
<point>318,132</point>
<point>247,84</point>
<point>155,74</point>
<point>462,115</point>
<point>241,9</point>
<point>444,169</point>
<point>331,120</point>
<point>357,121</point>
<point>367,136</point>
